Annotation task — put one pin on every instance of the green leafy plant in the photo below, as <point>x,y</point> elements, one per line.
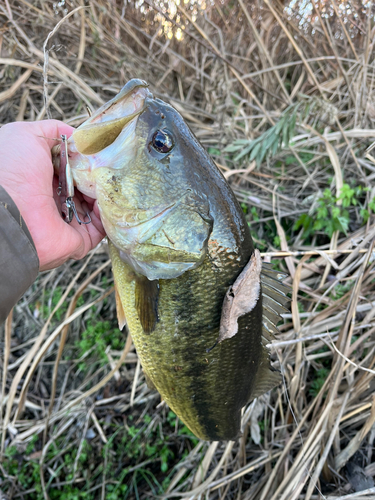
<point>320,378</point>
<point>329,216</point>
<point>26,471</point>
<point>271,141</point>
<point>98,337</point>
<point>340,289</point>
<point>365,212</point>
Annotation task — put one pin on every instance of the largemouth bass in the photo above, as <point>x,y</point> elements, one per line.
<point>179,244</point>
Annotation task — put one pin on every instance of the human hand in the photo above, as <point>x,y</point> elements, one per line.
<point>26,173</point>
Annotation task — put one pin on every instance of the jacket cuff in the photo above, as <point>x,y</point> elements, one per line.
<point>19,263</point>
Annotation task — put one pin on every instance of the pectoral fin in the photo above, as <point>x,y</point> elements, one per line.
<point>146,292</point>
<point>146,302</point>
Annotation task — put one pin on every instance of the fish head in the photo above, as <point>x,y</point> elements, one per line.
<point>107,137</point>
<point>139,159</point>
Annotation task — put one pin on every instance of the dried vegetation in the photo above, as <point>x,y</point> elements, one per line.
<point>285,104</point>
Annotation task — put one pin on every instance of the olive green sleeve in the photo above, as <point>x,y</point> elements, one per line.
<point>19,263</point>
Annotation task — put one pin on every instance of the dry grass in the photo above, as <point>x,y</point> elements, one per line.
<point>78,420</point>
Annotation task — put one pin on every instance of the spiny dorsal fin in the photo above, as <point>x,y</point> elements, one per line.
<point>146,302</point>
<point>267,377</point>
<point>274,298</point>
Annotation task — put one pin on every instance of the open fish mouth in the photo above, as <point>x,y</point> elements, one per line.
<point>106,124</point>
<point>107,138</point>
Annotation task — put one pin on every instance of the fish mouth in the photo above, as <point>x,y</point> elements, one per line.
<point>106,124</point>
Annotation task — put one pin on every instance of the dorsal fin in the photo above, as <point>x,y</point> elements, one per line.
<point>146,302</point>
<point>275,299</point>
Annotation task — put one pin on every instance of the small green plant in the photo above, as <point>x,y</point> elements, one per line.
<point>271,141</point>
<point>329,216</point>
<point>51,301</point>
<point>98,337</point>
<point>25,470</point>
<point>263,424</point>
<point>365,212</point>
<point>292,160</point>
<point>341,289</point>
<point>318,382</point>
<point>277,241</point>
<point>254,213</point>
<point>245,208</point>
<point>213,151</point>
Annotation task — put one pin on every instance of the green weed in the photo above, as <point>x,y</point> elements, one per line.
<point>98,337</point>
<point>328,216</point>
<point>52,298</point>
<point>213,151</point>
<point>245,208</point>
<point>21,467</point>
<point>127,447</point>
<point>318,382</point>
<point>341,289</point>
<point>254,213</point>
<point>271,141</point>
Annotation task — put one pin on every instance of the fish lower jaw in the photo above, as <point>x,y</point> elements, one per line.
<point>157,270</point>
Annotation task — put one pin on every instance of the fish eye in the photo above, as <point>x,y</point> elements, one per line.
<point>162,141</point>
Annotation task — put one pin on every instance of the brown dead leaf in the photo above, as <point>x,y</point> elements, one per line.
<point>241,297</point>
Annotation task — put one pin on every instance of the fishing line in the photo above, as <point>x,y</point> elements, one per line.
<point>46,59</point>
